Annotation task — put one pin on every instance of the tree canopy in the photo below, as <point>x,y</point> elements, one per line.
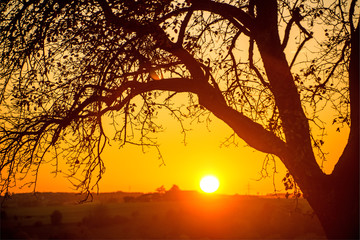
<point>268,69</point>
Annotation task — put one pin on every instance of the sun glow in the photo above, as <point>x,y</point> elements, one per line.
<point>209,184</point>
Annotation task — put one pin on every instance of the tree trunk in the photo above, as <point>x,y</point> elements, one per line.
<point>338,209</point>
<point>337,204</point>
<point>334,198</point>
<point>340,215</point>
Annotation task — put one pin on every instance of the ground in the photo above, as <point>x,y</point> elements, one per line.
<point>193,217</point>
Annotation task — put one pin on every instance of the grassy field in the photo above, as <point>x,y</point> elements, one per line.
<point>201,217</point>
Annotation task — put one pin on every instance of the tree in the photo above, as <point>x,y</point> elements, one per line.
<point>173,194</point>
<point>69,66</point>
<point>161,189</point>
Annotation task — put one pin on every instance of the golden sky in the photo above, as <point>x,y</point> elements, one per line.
<point>237,167</point>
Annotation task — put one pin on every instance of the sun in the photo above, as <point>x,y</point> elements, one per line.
<point>209,184</point>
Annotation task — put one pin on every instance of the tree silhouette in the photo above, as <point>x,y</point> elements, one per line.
<point>69,67</point>
<point>161,189</point>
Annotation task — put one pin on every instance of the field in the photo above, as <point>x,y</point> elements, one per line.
<point>196,216</point>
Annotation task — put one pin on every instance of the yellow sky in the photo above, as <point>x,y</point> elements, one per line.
<point>237,167</point>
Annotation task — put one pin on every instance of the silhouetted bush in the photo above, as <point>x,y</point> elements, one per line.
<point>56,217</point>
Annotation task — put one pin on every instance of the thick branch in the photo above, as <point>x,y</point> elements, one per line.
<point>251,132</point>
<point>294,122</point>
<point>238,17</point>
<point>287,33</point>
<point>348,165</point>
<point>183,27</point>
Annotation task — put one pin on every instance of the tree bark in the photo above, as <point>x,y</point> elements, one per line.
<point>334,198</point>
<point>338,207</point>
<point>340,216</point>
<point>299,159</point>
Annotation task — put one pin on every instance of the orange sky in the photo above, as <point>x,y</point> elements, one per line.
<point>238,168</point>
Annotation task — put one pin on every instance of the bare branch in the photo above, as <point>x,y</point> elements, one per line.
<point>183,28</point>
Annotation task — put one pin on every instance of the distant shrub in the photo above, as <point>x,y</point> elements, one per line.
<point>56,217</point>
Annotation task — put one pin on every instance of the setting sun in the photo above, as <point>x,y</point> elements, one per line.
<point>209,184</point>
